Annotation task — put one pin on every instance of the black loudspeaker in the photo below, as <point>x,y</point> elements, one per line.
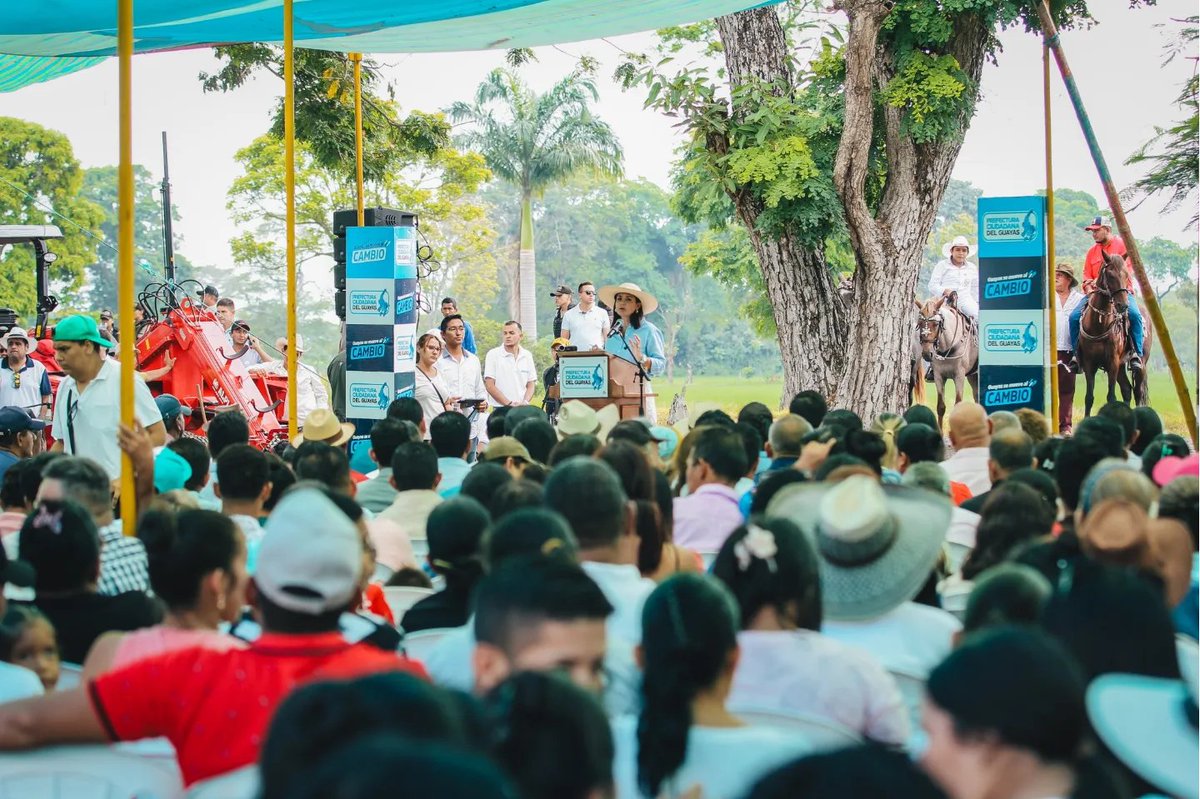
<point>373,217</point>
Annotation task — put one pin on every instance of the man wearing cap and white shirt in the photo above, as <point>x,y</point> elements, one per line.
<point>18,435</point>
<point>509,374</point>
<point>88,407</point>
<point>215,706</point>
<point>586,325</point>
<point>1107,244</point>
<point>562,297</point>
<point>254,354</point>
<point>310,391</point>
<point>24,382</point>
<point>174,417</point>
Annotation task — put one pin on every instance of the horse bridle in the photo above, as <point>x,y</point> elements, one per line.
<point>939,326</point>
<point>1113,314</point>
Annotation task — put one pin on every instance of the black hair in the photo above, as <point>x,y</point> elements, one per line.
<point>12,494</point>
<point>292,622</point>
<point>282,478</point>
<point>1076,457</point>
<point>455,530</point>
<point>414,466</point>
<point>319,717</point>
<point>789,581</point>
<point>225,429</point>
<point>1040,482</point>
<point>242,472</point>
<point>195,452</point>
<point>1014,514</point>
<point>495,422</point>
<point>483,481</point>
<point>328,465</point>
<point>629,462</point>
<point>723,450</point>
<point>554,741</point>
<point>519,414</point>
<point>920,443</point>
<point>846,419</point>
<point>1179,500</point>
<point>665,499</point>
<point>758,416</point>
<point>59,540</point>
<point>84,481</point>
<point>589,495</point>
<point>637,477</point>
<point>1011,450</point>
<point>1045,452</point>
<point>1162,446</point>
<point>183,548</point>
<point>1122,414</point>
<point>526,532</point>
<point>689,631</point>
<point>535,472</point>
<point>868,447</point>
<point>406,409</point>
<point>449,301</point>
<point>1149,426</point>
<point>770,485</point>
<point>1018,685</point>
<point>839,461</point>
<point>31,476</point>
<point>714,418</point>
<point>1009,593</point>
<point>584,444</point>
<point>538,436</point>
<point>862,772</point>
<point>387,434</point>
<point>752,444</point>
<point>513,496</point>
<point>411,577</point>
<point>811,405</point>
<point>921,414</point>
<point>526,591</point>
<point>448,318</point>
<point>16,620</point>
<point>632,431</point>
<point>1105,431</point>
<point>1114,620</point>
<point>449,434</point>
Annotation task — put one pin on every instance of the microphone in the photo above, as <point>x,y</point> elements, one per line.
<point>616,327</point>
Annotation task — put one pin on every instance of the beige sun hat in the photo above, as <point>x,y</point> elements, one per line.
<point>576,417</point>
<point>608,295</point>
<point>321,425</point>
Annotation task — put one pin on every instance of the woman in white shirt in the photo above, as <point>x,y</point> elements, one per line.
<point>786,664</point>
<point>431,390</point>
<point>685,737</point>
<point>954,273</point>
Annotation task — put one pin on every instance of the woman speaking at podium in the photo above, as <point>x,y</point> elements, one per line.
<point>632,337</point>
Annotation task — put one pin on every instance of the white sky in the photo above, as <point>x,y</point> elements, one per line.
<point>1117,65</point>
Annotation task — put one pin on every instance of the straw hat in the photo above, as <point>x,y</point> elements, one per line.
<point>17,332</point>
<point>959,241</point>
<point>877,544</point>
<point>321,425</point>
<point>1069,271</point>
<point>576,417</point>
<point>608,296</point>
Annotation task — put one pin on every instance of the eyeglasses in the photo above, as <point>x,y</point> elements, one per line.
<point>588,291</point>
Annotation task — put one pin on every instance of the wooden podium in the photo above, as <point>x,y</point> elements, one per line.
<point>598,379</point>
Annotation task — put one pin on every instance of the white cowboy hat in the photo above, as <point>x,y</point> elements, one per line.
<point>281,343</point>
<point>959,241</point>
<point>321,425</point>
<point>877,544</point>
<point>649,301</point>
<point>17,332</point>
<point>575,417</point>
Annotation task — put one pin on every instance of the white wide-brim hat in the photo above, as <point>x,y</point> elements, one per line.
<point>959,241</point>
<point>608,296</point>
<point>877,544</point>
<point>17,332</point>
<point>576,417</point>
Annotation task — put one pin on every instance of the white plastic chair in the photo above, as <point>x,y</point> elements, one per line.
<point>69,676</point>
<point>420,547</point>
<point>956,554</point>
<point>708,558</point>
<point>239,784</point>
<point>87,772</point>
<point>912,690</point>
<point>418,645</point>
<point>824,734</point>
<point>402,597</point>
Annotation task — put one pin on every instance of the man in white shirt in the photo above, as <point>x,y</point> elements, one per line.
<point>1067,298</point>
<point>310,390</point>
<point>88,407</point>
<point>509,374</point>
<point>225,310</point>
<point>26,384</point>
<point>586,325</point>
<point>254,355</point>
<point>970,433</point>
<point>463,374</point>
<point>955,274</point>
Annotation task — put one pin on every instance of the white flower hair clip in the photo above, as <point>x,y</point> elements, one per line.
<point>52,521</point>
<point>758,543</point>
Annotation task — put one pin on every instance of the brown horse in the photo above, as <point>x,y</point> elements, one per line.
<point>951,341</point>
<point>1104,335</point>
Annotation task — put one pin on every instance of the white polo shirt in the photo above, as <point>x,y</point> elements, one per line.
<point>35,384</point>
<point>95,414</point>
<point>586,329</point>
<point>511,372</point>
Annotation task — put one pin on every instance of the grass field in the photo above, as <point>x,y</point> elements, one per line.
<point>731,393</point>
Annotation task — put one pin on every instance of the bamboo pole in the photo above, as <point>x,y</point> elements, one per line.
<point>1114,201</point>
<point>1051,295</point>
<point>125,245</point>
<point>289,184</point>
<point>358,133</point>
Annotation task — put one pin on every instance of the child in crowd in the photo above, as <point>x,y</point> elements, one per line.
<point>27,640</point>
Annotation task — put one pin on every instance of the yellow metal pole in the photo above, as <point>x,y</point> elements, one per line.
<point>125,250</point>
<point>358,132</point>
<point>1051,296</point>
<point>289,184</point>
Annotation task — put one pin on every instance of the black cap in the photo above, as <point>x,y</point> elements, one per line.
<point>209,289</point>
<point>16,420</point>
<point>241,324</point>
<point>561,290</point>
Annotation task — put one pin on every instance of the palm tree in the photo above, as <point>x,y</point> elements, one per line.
<point>534,140</point>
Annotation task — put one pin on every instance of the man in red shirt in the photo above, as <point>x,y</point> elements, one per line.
<point>215,706</point>
<point>1107,244</point>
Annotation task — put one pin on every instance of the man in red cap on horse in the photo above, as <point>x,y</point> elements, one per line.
<point>1107,244</point>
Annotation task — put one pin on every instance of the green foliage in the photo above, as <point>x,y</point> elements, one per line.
<point>40,184</point>
<point>932,91</point>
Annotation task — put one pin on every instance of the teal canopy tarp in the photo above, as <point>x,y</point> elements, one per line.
<point>87,28</point>
<point>22,70</point>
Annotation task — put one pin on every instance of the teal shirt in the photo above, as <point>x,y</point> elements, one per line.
<point>652,346</point>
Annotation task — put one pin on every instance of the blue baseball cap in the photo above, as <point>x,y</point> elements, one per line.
<point>169,407</point>
<point>16,420</point>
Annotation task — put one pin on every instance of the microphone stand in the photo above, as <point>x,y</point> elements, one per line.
<point>619,327</point>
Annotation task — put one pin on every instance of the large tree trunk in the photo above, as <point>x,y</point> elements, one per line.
<point>526,277</point>
<point>809,317</point>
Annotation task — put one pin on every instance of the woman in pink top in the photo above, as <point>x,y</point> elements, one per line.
<point>786,664</point>
<point>198,569</point>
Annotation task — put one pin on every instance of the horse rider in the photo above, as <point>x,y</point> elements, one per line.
<point>954,274</point>
<point>1107,244</point>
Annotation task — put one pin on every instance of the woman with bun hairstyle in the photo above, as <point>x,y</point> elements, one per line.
<point>455,531</point>
<point>771,569</point>
<point>685,737</point>
<point>886,426</point>
<point>197,564</point>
